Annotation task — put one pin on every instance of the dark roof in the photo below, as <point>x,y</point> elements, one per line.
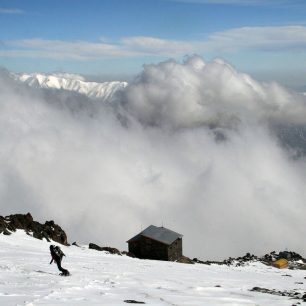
<point>160,234</point>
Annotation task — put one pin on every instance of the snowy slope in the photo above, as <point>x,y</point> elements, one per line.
<point>27,278</point>
<point>71,82</point>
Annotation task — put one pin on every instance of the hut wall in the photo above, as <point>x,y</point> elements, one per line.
<point>175,250</point>
<point>146,248</point>
<point>134,248</point>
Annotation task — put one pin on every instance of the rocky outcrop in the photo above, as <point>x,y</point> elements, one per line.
<point>106,249</point>
<point>290,256</point>
<point>130,254</point>
<point>186,260</point>
<point>293,294</point>
<point>295,260</point>
<point>110,250</point>
<point>49,230</point>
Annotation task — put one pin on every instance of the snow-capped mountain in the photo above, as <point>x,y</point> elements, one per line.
<point>71,82</point>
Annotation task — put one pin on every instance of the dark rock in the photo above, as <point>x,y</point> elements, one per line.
<point>3,224</point>
<point>133,302</point>
<point>255,289</point>
<point>287,275</point>
<point>207,262</point>
<point>19,221</point>
<point>196,260</point>
<point>106,249</point>
<point>130,254</point>
<point>290,255</point>
<point>6,232</point>
<point>49,230</point>
<point>288,293</point>
<point>111,250</point>
<point>186,260</point>
<point>55,232</point>
<point>296,261</point>
<point>75,244</point>
<point>94,247</point>
<point>38,235</point>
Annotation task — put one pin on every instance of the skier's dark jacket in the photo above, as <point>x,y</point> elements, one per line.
<point>57,255</point>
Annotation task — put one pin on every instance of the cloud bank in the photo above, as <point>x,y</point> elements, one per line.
<point>190,145</point>
<point>265,39</point>
<point>194,94</point>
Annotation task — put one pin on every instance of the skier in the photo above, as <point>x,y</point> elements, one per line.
<point>57,255</point>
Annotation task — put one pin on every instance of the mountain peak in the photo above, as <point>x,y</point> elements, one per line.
<point>70,82</point>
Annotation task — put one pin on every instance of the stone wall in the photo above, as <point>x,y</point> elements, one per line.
<point>146,248</point>
<point>175,250</point>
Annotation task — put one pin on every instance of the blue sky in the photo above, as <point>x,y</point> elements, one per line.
<point>116,37</point>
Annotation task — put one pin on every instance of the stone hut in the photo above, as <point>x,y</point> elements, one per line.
<point>157,243</point>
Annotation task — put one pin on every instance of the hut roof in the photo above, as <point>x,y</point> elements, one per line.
<point>160,234</point>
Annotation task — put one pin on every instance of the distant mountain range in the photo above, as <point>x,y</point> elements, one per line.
<point>71,82</point>
<point>293,137</point>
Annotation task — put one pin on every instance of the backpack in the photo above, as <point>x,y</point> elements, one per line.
<point>58,251</point>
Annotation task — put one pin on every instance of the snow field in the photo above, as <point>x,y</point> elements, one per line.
<point>97,278</point>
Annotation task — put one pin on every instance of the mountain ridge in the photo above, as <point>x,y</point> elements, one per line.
<point>70,82</point>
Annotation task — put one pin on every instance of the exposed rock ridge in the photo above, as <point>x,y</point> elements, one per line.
<point>49,230</point>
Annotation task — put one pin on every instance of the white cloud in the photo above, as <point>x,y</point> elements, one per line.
<point>159,47</point>
<point>186,144</point>
<point>11,11</point>
<point>259,38</point>
<point>81,50</point>
<point>240,2</point>
<point>283,38</point>
<point>195,93</point>
<point>84,50</point>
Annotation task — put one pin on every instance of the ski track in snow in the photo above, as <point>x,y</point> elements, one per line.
<point>97,278</point>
